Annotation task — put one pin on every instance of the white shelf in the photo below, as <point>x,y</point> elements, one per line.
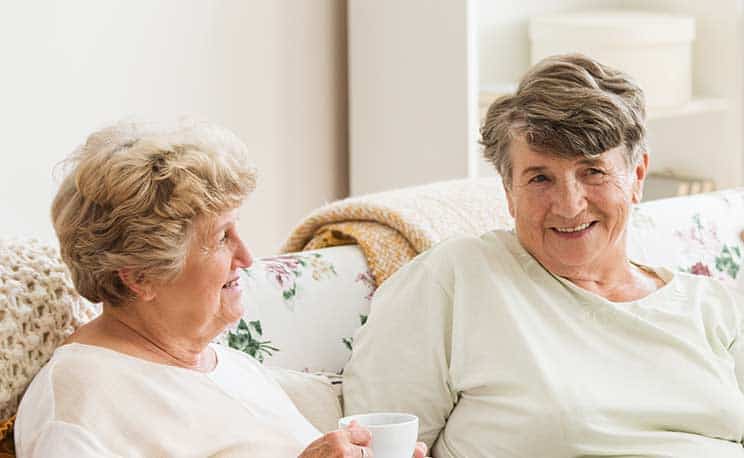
<point>696,106</point>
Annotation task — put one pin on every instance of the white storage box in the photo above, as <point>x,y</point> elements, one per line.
<point>655,49</point>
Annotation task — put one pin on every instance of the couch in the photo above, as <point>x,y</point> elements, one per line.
<point>303,309</point>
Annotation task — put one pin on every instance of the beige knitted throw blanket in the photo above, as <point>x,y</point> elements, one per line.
<point>39,308</point>
<point>392,227</point>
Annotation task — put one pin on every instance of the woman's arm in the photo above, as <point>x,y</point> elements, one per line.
<point>63,440</point>
<point>401,356</point>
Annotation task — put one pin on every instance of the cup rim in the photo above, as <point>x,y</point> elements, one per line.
<point>407,419</point>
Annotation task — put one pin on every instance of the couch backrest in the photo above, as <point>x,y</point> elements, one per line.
<point>309,305</point>
<point>701,234</point>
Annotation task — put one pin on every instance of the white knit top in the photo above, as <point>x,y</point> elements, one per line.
<point>93,402</point>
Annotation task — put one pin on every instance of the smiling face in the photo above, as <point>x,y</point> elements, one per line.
<point>571,213</point>
<point>206,296</point>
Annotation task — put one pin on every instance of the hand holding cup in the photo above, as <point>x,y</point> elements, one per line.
<point>393,435</point>
<point>351,441</point>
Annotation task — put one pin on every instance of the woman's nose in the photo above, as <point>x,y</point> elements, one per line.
<point>569,200</point>
<point>242,257</point>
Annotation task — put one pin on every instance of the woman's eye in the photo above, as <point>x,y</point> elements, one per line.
<point>593,171</point>
<point>538,179</point>
<point>224,237</point>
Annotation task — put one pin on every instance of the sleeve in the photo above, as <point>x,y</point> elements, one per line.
<point>737,350</point>
<point>400,360</point>
<point>737,345</point>
<point>65,440</point>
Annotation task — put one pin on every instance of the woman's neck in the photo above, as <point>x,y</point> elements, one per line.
<point>627,282</point>
<point>125,331</point>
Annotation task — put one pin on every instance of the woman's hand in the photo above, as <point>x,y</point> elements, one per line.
<point>420,450</point>
<point>351,442</point>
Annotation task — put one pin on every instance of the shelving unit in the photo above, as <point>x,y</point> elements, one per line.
<point>422,72</point>
<point>695,107</point>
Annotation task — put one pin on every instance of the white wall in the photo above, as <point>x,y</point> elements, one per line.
<point>273,71</point>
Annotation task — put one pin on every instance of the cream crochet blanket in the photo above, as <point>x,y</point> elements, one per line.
<point>392,227</point>
<point>39,308</point>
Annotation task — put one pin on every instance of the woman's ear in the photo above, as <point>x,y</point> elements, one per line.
<point>509,200</point>
<point>136,282</point>
<point>639,176</point>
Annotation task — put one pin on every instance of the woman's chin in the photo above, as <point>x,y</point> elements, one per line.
<point>571,260</point>
<point>232,308</point>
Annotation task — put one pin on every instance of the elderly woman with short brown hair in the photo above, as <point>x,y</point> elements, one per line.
<point>147,221</point>
<point>548,341</point>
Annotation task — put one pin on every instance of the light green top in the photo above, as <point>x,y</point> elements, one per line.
<point>499,358</point>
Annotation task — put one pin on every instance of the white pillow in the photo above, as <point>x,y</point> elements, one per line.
<point>315,396</point>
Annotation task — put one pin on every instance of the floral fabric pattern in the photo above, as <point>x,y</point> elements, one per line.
<point>301,309</point>
<point>695,234</point>
<point>247,338</point>
<point>366,278</point>
<point>285,270</point>
<point>702,237</point>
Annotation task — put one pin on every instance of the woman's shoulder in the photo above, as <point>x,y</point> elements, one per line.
<point>491,249</point>
<point>462,248</point>
<point>60,382</point>
<point>72,360</point>
<point>689,282</point>
<point>718,301</point>
<point>468,258</point>
<point>75,366</point>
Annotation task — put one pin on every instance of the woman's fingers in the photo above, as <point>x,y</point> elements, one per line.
<point>420,450</point>
<point>351,442</point>
<point>358,435</point>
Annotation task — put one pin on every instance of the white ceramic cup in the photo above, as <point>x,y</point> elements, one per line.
<point>393,434</point>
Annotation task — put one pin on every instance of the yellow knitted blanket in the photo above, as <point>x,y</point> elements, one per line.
<point>394,226</point>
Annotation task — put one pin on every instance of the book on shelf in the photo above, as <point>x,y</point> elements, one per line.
<point>664,185</point>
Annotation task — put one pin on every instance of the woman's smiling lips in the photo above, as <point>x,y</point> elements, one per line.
<point>573,232</point>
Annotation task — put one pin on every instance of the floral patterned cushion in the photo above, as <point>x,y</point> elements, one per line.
<point>301,309</point>
<point>700,234</point>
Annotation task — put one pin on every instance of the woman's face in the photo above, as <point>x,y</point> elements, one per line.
<point>205,297</point>
<point>571,213</point>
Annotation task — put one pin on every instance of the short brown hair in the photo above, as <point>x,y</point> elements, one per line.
<point>570,105</point>
<point>132,194</point>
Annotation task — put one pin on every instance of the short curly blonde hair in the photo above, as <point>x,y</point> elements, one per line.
<point>131,197</point>
<point>569,105</point>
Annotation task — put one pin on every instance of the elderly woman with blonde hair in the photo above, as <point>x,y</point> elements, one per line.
<point>147,221</point>
<point>548,341</point>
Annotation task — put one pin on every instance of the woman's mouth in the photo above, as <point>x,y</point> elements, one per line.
<point>574,231</point>
<point>232,283</point>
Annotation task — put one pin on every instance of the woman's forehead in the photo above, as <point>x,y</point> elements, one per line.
<point>524,155</point>
<point>207,224</point>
